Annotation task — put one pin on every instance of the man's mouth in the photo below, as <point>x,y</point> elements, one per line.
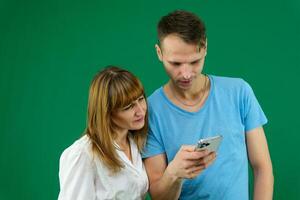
<point>185,82</point>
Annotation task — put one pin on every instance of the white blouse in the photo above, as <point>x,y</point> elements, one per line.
<point>83,176</point>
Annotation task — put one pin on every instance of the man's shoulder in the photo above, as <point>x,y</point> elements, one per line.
<point>228,82</point>
<point>231,86</point>
<point>157,101</point>
<point>157,95</point>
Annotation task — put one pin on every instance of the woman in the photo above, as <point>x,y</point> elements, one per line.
<point>105,163</point>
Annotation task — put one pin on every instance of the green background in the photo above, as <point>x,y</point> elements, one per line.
<point>50,50</point>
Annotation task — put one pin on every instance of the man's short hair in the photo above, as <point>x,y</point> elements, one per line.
<point>186,25</point>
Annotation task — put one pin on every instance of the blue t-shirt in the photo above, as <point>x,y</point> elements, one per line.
<point>231,109</point>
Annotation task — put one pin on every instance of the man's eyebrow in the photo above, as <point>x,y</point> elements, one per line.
<point>172,61</point>
<point>196,60</point>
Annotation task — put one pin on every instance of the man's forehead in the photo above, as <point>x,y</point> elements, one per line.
<point>183,56</point>
<point>182,49</point>
<point>173,40</point>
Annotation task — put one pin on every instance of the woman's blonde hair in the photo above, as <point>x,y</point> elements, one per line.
<point>111,89</point>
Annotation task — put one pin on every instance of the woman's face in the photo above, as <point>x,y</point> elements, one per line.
<point>132,116</point>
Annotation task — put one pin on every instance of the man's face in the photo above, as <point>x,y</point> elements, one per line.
<point>183,62</point>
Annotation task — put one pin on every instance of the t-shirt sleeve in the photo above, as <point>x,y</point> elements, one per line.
<point>76,176</point>
<point>154,144</point>
<point>253,115</point>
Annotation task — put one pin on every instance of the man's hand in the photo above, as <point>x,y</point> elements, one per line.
<point>166,180</point>
<point>189,163</point>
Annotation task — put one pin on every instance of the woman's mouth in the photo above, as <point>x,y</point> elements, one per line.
<point>141,119</point>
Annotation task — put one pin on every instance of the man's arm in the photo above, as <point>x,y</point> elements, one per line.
<point>261,164</point>
<point>166,180</point>
<point>162,184</point>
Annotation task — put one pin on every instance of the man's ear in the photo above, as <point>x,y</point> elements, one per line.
<point>158,52</point>
<point>205,46</point>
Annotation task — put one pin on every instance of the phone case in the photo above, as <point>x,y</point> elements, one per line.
<point>211,143</point>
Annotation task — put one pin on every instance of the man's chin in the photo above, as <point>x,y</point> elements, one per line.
<point>184,86</point>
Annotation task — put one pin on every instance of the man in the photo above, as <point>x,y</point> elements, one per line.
<point>193,105</point>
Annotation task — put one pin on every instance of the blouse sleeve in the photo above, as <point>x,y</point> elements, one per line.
<point>76,175</point>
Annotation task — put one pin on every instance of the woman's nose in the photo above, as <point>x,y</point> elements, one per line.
<point>140,108</point>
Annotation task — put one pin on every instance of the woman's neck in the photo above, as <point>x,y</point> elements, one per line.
<point>122,139</point>
<point>124,144</point>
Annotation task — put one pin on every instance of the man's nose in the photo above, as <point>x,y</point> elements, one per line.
<point>186,71</point>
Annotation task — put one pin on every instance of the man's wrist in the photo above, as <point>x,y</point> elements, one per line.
<point>172,176</point>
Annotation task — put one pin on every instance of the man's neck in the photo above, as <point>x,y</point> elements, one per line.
<point>192,99</point>
<point>191,93</point>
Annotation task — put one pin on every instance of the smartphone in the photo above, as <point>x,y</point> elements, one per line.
<point>211,143</point>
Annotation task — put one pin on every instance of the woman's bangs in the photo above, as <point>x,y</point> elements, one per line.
<point>128,92</point>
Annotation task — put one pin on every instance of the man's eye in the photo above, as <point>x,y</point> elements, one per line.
<point>195,62</point>
<point>175,64</point>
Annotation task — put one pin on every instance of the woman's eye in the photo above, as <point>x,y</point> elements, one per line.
<point>128,107</point>
<point>141,98</point>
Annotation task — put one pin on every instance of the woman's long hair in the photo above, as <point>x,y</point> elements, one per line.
<point>111,89</point>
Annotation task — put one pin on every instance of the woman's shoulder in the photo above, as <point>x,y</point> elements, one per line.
<point>80,149</point>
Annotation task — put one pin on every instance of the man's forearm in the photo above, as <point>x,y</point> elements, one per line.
<point>263,184</point>
<point>167,187</point>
